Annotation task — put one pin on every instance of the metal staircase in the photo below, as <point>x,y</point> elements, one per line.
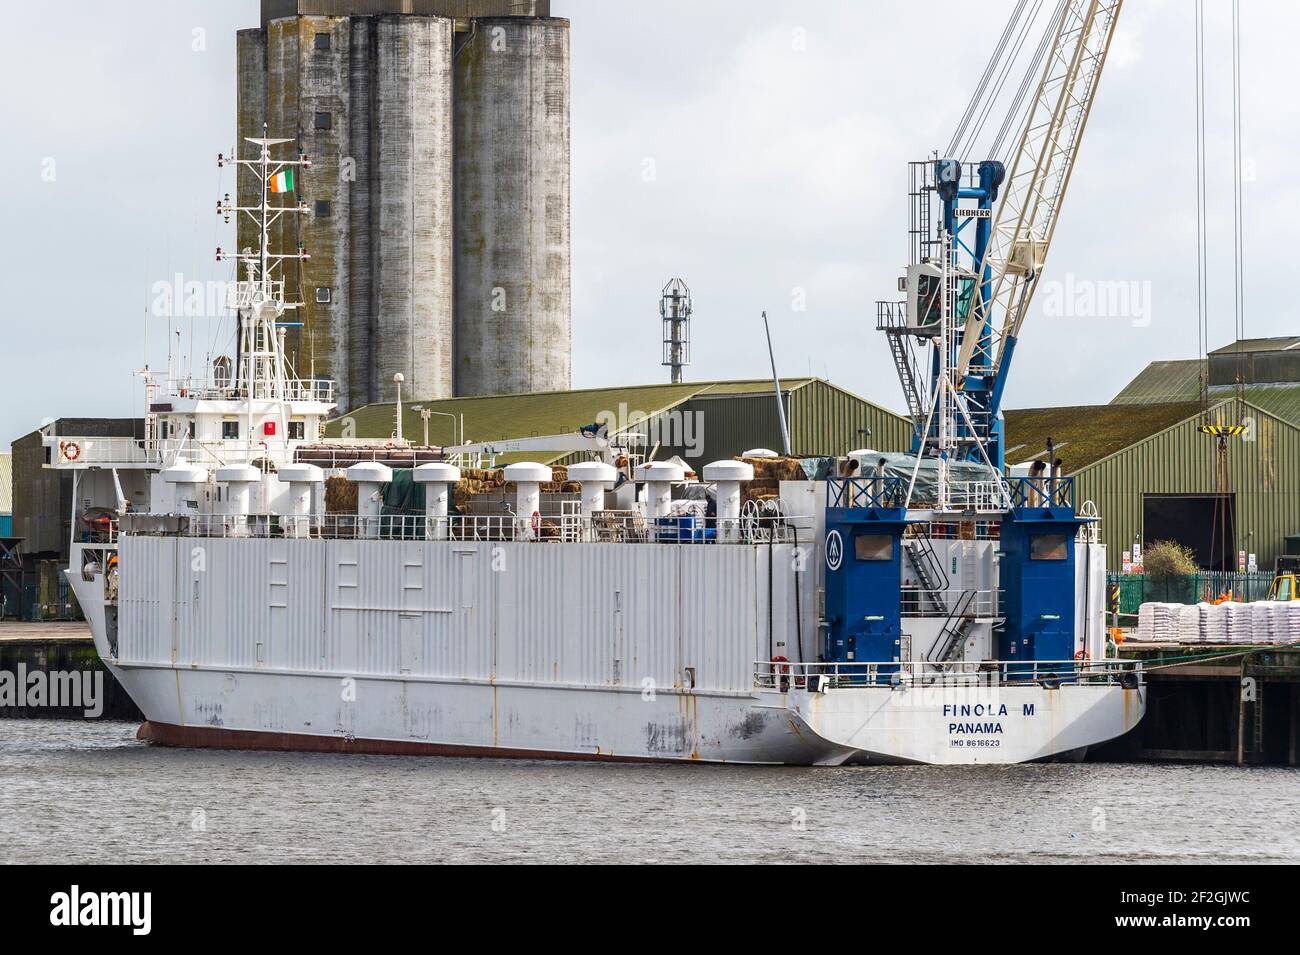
<point>955,629</point>
<point>891,317</point>
<point>930,573</point>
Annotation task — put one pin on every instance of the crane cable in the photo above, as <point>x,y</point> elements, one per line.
<point>1018,115</point>
<point>1238,221</point>
<point>1008,64</point>
<point>980,88</point>
<point>1223,528</point>
<point>1227,516</point>
<point>1218,529</point>
<point>1202,322</point>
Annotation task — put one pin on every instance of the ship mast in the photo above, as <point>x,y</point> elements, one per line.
<point>262,370</point>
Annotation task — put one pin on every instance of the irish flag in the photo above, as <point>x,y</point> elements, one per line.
<point>282,181</point>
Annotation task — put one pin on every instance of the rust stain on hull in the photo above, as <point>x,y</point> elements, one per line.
<point>205,737</point>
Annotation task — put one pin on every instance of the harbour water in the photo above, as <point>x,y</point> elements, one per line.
<point>88,792</point>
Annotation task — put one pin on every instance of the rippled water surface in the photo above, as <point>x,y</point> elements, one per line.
<point>89,792</point>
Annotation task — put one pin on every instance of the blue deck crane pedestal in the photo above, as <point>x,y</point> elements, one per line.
<point>1038,574</point>
<point>865,523</point>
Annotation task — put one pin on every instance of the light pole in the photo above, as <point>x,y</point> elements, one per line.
<point>426,414</point>
<point>398,378</point>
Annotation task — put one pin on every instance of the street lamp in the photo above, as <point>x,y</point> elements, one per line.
<point>397,380</point>
<point>426,414</point>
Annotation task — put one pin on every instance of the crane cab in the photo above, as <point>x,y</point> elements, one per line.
<point>923,285</point>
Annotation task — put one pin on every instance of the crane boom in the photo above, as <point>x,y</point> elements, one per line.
<point>1035,188</point>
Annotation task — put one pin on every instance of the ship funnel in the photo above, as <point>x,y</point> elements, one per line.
<point>436,478</point>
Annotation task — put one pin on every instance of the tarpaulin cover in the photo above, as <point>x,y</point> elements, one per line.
<point>901,465</point>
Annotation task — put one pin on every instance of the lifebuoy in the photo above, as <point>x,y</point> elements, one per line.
<point>537,523</point>
<point>1083,655</point>
<point>70,450</point>
<point>781,671</point>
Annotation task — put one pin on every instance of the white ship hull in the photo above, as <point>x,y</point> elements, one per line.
<point>572,651</point>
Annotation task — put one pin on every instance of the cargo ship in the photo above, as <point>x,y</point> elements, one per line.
<point>927,607</point>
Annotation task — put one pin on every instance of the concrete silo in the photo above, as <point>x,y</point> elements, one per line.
<point>512,207</point>
<point>306,98</point>
<point>401,231</point>
<point>371,89</point>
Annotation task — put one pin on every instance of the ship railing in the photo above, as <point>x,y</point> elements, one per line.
<point>881,491</point>
<point>622,527</point>
<point>326,455</point>
<point>77,451</point>
<point>1050,674</point>
<point>979,530</point>
<point>1041,491</point>
<point>983,605</point>
<point>224,389</point>
<point>982,497</point>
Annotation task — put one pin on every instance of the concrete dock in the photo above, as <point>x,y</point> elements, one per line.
<point>58,647</point>
<point>1215,704</point>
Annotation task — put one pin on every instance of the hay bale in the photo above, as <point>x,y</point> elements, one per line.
<point>776,469</point>
<point>340,495</point>
<point>484,476</point>
<point>760,489</point>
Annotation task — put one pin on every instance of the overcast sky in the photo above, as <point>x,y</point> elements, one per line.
<point>777,135</point>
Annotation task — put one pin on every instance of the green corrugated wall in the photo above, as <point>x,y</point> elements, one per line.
<point>825,420</point>
<point>1264,470</point>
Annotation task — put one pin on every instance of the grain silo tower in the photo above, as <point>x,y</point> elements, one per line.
<point>512,207</point>
<point>369,88</point>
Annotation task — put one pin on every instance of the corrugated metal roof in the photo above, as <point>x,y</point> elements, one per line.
<point>6,483</point>
<point>1166,381</point>
<point>1281,343</point>
<point>1163,381</point>
<point>517,416</point>
<point>1088,433</point>
<point>1281,400</point>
